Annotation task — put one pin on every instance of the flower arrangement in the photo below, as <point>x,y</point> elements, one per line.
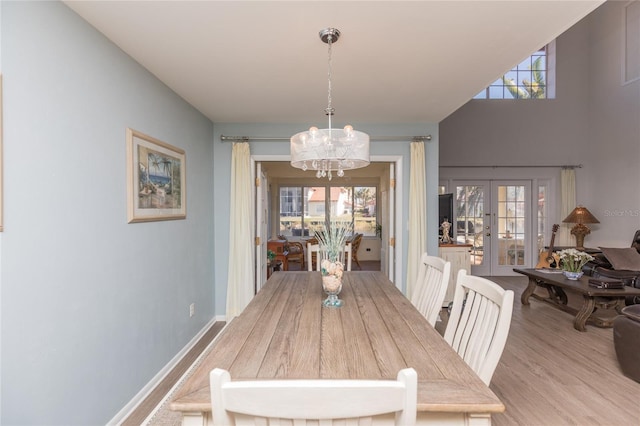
<point>271,255</point>
<point>573,260</point>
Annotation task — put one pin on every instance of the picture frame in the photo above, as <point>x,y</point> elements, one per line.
<point>156,179</point>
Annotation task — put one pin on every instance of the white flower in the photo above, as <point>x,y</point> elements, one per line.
<point>573,260</point>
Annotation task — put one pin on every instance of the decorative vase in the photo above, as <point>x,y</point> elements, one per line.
<point>332,285</point>
<point>572,275</point>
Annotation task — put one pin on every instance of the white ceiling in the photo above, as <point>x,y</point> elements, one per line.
<point>396,61</point>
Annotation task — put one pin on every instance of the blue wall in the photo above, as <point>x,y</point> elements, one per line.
<point>91,307</point>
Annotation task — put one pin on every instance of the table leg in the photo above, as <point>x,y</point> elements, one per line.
<point>588,303</point>
<point>531,287</point>
<point>559,295</point>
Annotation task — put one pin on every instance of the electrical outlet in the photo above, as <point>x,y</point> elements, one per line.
<point>192,310</point>
<point>368,249</point>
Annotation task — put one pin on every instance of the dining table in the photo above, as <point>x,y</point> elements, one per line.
<point>286,333</point>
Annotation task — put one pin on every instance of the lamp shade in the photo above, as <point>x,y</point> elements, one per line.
<point>581,215</point>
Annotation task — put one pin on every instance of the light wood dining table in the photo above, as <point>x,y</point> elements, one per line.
<point>285,333</point>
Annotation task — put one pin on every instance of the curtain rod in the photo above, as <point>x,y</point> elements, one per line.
<point>224,138</point>
<point>564,166</point>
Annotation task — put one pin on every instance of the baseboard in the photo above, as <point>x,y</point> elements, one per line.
<point>149,387</point>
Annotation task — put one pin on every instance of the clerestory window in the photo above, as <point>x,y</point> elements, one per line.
<point>533,78</point>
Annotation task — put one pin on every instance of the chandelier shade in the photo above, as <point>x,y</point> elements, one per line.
<point>330,150</point>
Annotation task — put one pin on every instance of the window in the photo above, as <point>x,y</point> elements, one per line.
<point>305,210</point>
<point>533,78</point>
<point>290,201</point>
<point>301,210</point>
<point>365,208</point>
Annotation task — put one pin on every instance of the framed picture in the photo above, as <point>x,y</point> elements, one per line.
<point>156,186</point>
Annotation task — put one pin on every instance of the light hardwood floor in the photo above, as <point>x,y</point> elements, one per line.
<point>551,374</point>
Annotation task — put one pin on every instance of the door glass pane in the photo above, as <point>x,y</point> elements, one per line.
<point>511,224</point>
<point>469,220</point>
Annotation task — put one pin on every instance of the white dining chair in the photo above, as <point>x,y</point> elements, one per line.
<point>431,286</point>
<point>315,248</point>
<point>479,322</point>
<point>314,401</point>
<point>311,249</point>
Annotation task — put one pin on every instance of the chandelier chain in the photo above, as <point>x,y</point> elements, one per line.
<point>329,111</point>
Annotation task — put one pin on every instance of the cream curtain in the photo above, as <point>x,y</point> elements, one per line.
<point>417,214</point>
<point>240,275</point>
<point>568,203</point>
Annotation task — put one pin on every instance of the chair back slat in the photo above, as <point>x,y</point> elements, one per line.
<point>294,402</point>
<point>431,286</point>
<point>479,322</point>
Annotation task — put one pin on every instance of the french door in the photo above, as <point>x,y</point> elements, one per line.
<point>495,218</point>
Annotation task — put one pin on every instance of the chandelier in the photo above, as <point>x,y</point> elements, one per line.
<point>329,150</point>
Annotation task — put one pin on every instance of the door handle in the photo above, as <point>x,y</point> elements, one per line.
<point>488,234</point>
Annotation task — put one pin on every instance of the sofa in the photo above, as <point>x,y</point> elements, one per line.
<point>626,340</point>
<point>618,263</point>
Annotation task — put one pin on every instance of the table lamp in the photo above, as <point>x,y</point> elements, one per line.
<point>580,215</point>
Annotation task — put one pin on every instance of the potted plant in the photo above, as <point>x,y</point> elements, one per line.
<point>572,261</point>
<point>271,256</point>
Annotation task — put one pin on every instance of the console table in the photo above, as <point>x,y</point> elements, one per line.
<point>593,299</point>
<point>458,255</point>
<point>277,246</point>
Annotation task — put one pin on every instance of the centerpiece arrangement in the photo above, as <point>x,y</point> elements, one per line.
<point>572,261</point>
<point>331,253</point>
